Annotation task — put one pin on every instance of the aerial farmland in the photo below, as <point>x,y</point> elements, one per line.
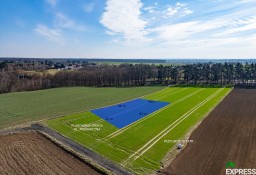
<point>127,87</point>
<point>142,145</point>
<point>135,133</point>
<point>138,130</point>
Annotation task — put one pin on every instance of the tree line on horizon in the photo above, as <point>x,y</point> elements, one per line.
<point>102,75</point>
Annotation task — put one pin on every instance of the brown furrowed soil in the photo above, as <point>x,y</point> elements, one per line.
<point>227,134</point>
<point>31,153</point>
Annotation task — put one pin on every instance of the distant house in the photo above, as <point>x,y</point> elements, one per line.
<point>69,67</point>
<point>72,67</point>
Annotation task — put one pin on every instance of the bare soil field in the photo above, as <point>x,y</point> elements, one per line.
<point>32,153</point>
<point>227,134</point>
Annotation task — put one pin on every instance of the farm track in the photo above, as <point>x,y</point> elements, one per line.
<point>107,164</point>
<point>227,134</point>
<point>32,153</point>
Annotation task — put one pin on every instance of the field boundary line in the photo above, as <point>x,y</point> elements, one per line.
<point>169,128</point>
<point>153,92</point>
<point>171,93</point>
<point>114,134</point>
<point>163,96</point>
<point>159,94</point>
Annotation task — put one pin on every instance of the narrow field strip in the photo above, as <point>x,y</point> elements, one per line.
<point>158,93</point>
<point>172,93</point>
<point>116,133</point>
<point>154,140</point>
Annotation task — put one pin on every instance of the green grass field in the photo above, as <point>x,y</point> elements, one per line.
<point>23,107</point>
<point>140,146</point>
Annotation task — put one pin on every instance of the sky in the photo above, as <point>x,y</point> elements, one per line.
<point>128,28</point>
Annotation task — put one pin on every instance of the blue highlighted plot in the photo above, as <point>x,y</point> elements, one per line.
<point>123,114</point>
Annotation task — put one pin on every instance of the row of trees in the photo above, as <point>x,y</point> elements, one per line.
<point>132,75</point>
<point>144,74</point>
<point>220,73</point>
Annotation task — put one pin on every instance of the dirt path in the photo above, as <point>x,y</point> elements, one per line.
<point>31,153</point>
<point>227,134</point>
<point>107,164</point>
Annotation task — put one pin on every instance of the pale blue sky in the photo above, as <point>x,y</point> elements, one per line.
<point>128,28</point>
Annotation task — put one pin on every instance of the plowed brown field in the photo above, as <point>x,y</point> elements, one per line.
<point>31,153</point>
<point>227,134</point>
